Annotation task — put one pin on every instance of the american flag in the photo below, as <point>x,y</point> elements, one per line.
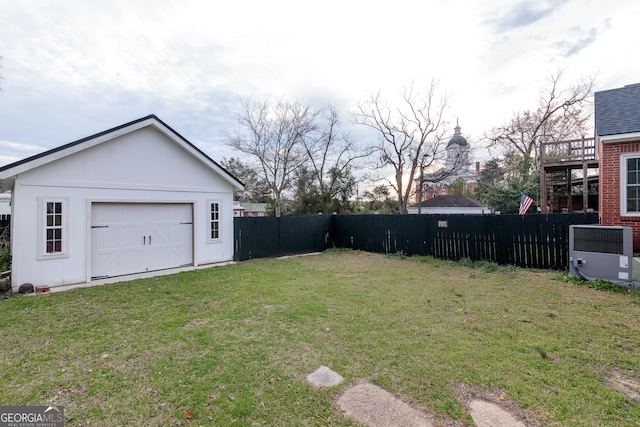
<point>525,203</point>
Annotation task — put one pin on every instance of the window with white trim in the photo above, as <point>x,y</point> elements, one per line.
<point>214,221</point>
<point>630,184</point>
<point>53,229</point>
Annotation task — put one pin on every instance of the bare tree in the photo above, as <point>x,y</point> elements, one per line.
<point>275,135</point>
<point>332,155</point>
<point>255,188</point>
<point>410,135</point>
<point>561,114</point>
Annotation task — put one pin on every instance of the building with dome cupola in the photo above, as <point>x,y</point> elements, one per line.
<point>457,164</point>
<point>457,150</point>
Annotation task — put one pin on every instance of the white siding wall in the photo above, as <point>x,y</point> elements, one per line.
<point>140,167</point>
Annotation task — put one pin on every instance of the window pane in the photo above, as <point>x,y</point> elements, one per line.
<point>53,227</point>
<point>632,177</point>
<point>633,198</point>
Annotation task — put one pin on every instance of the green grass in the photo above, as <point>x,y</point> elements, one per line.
<point>233,345</point>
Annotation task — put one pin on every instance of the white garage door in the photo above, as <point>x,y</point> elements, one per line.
<point>129,238</point>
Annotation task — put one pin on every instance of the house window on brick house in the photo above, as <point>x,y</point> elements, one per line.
<point>630,184</point>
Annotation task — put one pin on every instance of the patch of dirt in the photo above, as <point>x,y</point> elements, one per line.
<point>625,383</point>
<point>196,323</point>
<point>496,408</point>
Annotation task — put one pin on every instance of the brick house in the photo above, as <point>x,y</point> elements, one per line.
<point>617,130</point>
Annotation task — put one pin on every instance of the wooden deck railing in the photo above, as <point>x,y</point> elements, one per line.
<point>573,150</point>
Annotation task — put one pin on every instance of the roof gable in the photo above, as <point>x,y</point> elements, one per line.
<point>617,111</point>
<point>9,172</point>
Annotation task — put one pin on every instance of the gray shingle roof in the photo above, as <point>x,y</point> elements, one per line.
<point>618,110</point>
<point>449,201</point>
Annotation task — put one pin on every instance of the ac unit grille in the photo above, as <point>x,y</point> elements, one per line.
<point>603,240</point>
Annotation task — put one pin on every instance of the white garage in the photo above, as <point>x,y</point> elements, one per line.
<point>137,198</point>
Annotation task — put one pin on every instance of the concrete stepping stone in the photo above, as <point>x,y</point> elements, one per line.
<point>487,414</point>
<point>375,407</point>
<point>324,377</point>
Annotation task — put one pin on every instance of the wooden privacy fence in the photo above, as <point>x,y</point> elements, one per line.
<point>5,220</point>
<point>536,240</point>
<point>267,237</point>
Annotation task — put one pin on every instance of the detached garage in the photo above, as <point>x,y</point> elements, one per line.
<point>133,199</point>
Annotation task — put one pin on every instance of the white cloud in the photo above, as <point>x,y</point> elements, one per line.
<point>72,68</point>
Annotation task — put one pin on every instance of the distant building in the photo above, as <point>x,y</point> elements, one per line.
<point>254,209</point>
<point>449,204</point>
<point>456,166</point>
<point>238,210</point>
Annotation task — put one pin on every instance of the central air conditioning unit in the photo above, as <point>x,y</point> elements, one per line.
<point>602,252</point>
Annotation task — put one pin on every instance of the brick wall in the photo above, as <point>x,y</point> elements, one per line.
<point>610,153</point>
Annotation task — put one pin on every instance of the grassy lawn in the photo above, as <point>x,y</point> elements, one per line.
<point>233,345</point>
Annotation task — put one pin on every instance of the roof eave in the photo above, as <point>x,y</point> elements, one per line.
<point>621,137</point>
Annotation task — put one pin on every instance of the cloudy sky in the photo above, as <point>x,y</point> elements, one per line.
<point>73,68</point>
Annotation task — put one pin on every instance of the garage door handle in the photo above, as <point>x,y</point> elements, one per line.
<point>149,239</point>
<point>144,240</point>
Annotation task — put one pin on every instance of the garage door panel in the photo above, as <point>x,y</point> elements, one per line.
<point>129,236</point>
<point>133,238</point>
<point>178,233</point>
<point>129,262</point>
<point>182,255</point>
<point>160,234</point>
